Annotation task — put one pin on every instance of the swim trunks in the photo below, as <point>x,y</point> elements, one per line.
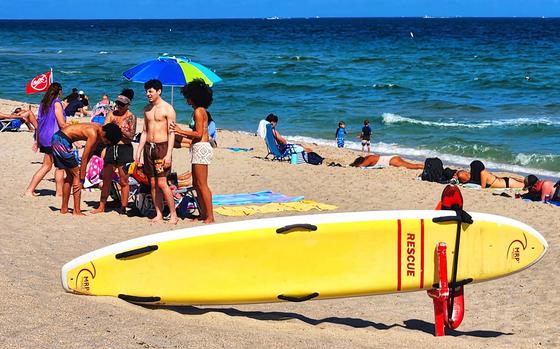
<point>45,150</point>
<point>153,159</point>
<point>201,153</point>
<point>365,142</point>
<point>119,154</point>
<point>63,154</point>
<point>384,160</point>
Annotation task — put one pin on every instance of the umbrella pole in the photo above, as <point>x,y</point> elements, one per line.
<point>171,95</point>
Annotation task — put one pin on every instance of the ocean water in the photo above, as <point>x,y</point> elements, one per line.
<point>456,88</point>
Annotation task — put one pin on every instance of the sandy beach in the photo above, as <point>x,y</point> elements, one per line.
<point>35,312</point>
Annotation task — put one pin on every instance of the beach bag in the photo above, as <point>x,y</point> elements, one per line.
<point>143,201</point>
<point>433,170</point>
<point>312,158</point>
<point>556,196</point>
<point>94,171</point>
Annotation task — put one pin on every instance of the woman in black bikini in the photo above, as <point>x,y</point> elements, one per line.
<point>480,175</point>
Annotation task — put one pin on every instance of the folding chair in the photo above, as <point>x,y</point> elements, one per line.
<point>274,149</point>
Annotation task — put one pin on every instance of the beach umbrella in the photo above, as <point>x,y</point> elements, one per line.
<point>171,71</point>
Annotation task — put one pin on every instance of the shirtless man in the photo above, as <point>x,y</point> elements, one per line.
<point>156,143</point>
<point>385,161</point>
<point>65,157</point>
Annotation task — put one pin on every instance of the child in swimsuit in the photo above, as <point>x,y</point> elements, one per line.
<point>199,95</point>
<point>340,132</point>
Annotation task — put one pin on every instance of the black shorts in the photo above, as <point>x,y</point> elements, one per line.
<point>45,150</point>
<point>119,154</point>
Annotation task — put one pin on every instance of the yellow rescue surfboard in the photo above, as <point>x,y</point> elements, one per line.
<point>302,257</point>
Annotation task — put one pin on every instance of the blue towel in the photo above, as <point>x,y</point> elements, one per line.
<point>261,197</point>
<point>239,149</point>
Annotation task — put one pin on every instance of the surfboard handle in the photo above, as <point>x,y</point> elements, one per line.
<point>298,299</point>
<point>136,299</point>
<point>136,252</point>
<point>302,226</point>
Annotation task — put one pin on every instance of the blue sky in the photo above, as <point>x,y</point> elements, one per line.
<point>135,9</point>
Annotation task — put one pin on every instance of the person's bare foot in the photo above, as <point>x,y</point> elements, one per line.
<point>97,210</point>
<point>63,211</point>
<point>156,219</point>
<point>30,194</point>
<point>79,214</point>
<point>173,220</point>
<point>208,220</point>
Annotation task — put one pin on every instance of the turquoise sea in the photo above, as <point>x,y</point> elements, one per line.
<point>457,88</point>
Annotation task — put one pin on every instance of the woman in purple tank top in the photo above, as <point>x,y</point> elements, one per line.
<point>51,118</point>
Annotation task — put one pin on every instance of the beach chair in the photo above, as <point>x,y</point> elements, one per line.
<point>274,149</point>
<point>10,125</point>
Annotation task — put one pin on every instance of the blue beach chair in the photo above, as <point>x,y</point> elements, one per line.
<point>10,125</point>
<point>274,149</point>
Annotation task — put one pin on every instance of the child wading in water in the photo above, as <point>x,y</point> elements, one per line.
<point>340,132</point>
<point>366,136</point>
<point>199,96</point>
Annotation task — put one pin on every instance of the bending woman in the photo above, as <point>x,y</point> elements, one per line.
<point>385,160</point>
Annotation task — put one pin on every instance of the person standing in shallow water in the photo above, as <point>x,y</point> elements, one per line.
<point>51,119</point>
<point>199,96</point>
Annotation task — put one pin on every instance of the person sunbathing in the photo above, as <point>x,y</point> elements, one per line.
<point>385,161</point>
<point>486,179</point>
<point>539,189</point>
<point>282,142</point>
<point>26,116</point>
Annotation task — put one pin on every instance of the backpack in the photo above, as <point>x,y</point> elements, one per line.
<point>433,170</point>
<point>312,158</point>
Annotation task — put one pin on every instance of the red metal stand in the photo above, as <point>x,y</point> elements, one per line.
<point>449,306</point>
<point>448,311</point>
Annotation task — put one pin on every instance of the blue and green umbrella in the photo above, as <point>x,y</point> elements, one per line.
<point>171,71</point>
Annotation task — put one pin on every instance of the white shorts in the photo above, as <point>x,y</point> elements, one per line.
<point>201,153</point>
<point>384,160</point>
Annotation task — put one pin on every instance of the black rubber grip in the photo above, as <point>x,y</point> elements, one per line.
<point>136,299</point>
<point>446,219</point>
<point>457,284</point>
<point>135,252</point>
<point>290,227</point>
<point>298,299</point>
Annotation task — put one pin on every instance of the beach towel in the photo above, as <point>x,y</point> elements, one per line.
<point>300,206</point>
<point>471,186</point>
<point>237,150</point>
<point>261,197</point>
<point>373,167</point>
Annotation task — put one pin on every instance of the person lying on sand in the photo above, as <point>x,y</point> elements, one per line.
<point>486,179</point>
<point>539,189</point>
<point>385,160</point>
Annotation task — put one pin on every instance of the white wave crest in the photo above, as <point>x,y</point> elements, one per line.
<point>103,52</point>
<point>70,72</point>
<point>390,118</point>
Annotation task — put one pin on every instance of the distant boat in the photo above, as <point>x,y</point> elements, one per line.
<point>272,18</point>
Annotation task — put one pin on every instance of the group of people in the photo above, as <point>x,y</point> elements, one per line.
<point>59,140</point>
<point>537,189</point>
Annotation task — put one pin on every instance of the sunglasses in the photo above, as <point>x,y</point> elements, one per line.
<point>120,104</point>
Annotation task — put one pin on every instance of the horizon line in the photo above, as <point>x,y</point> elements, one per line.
<point>281,18</point>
